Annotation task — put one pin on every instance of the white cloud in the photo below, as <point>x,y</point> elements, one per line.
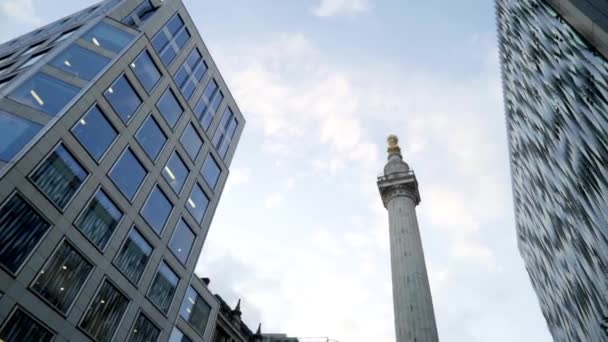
<point>237,177</point>
<point>21,10</point>
<point>327,8</point>
<point>274,200</point>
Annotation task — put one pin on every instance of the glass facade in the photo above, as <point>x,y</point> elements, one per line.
<point>134,255</point>
<point>151,137</point>
<point>190,73</point>
<point>175,172</point>
<point>182,241</point>
<point>144,330</point>
<point>195,311</point>
<point>169,107</point>
<point>225,132</point>
<point>123,98</point>
<point>157,209</point>
<point>191,141</point>
<point>105,313</point>
<point>556,106</point>
<point>59,176</point>
<point>171,39</point>
<point>211,171</point>
<point>163,287</point>
<point>15,132</point>
<point>99,219</point>
<point>45,93</point>
<point>22,327</point>
<point>95,133</point>
<point>80,62</point>
<point>197,203</point>
<point>178,336</point>
<point>208,104</point>
<point>60,280</point>
<point>128,173</point>
<point>108,37</point>
<point>146,71</point>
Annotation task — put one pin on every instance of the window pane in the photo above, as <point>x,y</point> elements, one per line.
<point>105,312</point>
<point>215,103</point>
<point>210,171</point>
<point>168,55</point>
<point>163,287</point>
<point>175,24</point>
<point>175,172</point>
<point>61,279</point>
<point>80,62</point>
<point>156,210</point>
<point>191,141</point>
<point>195,311</point>
<point>151,138</point>
<point>225,132</point>
<point>160,41</point>
<point>210,89</point>
<point>95,133</point>
<point>144,330</point>
<point>182,241</point>
<point>21,327</point>
<point>99,219</point>
<point>59,176</point>
<point>178,336</point>
<point>46,93</point>
<point>123,98</point>
<point>193,59</point>
<point>169,107</point>
<point>197,203</point>
<point>182,38</point>
<point>133,257</point>
<point>108,37</point>
<point>146,71</point>
<point>15,132</point>
<point>128,174</point>
<point>21,227</point>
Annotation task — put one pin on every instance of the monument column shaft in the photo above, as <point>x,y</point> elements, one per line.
<point>413,304</point>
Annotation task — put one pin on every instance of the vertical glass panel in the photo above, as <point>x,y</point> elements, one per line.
<point>191,141</point>
<point>197,203</point>
<point>178,336</point>
<point>21,327</point>
<point>225,132</point>
<point>133,256</point>
<point>151,138</point>
<point>215,103</point>
<point>160,41</point>
<point>80,62</point>
<point>21,228</point>
<point>105,312</point>
<point>108,37</point>
<point>146,71</point>
<point>163,287</point>
<point>157,209</point>
<point>175,172</point>
<point>182,241</point>
<point>211,171</point>
<point>60,280</point>
<point>169,107</point>
<point>128,174</point>
<point>59,176</point>
<point>175,24</point>
<point>182,38</point>
<point>210,89</point>
<point>15,132</point>
<point>144,330</point>
<point>195,311</point>
<point>45,93</point>
<point>99,219</point>
<point>95,133</point>
<point>168,55</point>
<point>123,98</point>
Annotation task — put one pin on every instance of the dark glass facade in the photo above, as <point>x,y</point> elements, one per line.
<point>556,103</point>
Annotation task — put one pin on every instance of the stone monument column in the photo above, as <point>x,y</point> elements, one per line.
<point>413,304</point>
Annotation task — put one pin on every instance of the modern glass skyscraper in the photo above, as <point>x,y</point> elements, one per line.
<point>555,77</point>
<point>116,134</point>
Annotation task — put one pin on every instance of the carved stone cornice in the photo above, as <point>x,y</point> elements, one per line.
<point>405,188</point>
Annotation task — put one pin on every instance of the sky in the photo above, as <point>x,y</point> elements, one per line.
<point>300,234</point>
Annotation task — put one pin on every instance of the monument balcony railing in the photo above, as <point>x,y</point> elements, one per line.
<point>382,177</point>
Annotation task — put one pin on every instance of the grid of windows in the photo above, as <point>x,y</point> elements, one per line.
<point>175,172</point>
<point>105,312</point>
<point>123,98</point>
<point>144,330</point>
<point>80,62</point>
<point>157,209</point>
<point>95,133</point>
<point>108,37</point>
<point>133,256</point>
<point>45,93</point>
<point>197,203</point>
<point>163,287</point>
<point>128,174</point>
<point>182,241</point>
<point>225,132</point>
<point>208,104</point>
<point>15,132</point>
<point>211,171</point>
<point>99,219</point>
<point>146,71</point>
<point>151,137</point>
<point>169,107</point>
<point>178,336</point>
<point>22,327</point>
<point>190,73</point>
<point>191,141</point>
<point>171,39</point>
<point>195,311</point>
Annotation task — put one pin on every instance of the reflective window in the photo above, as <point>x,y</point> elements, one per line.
<point>99,219</point>
<point>182,241</point>
<point>133,256</point>
<point>105,313</point>
<point>178,336</point>
<point>15,132</point>
<point>175,172</point>
<point>21,327</point>
<point>143,12</point>
<point>170,39</point>
<point>21,228</point>
<point>208,104</point>
<point>59,176</point>
<point>157,209</point>
<point>190,73</point>
<point>108,37</point>
<point>151,137</point>
<point>95,133</point>
<point>163,287</point>
<point>169,107</point>
<point>45,93</point>
<point>144,330</point>
<point>211,171</point>
<point>80,62</point>
<point>195,311</point>
<point>123,98</point>
<point>225,132</point>
<point>191,141</point>
<point>145,70</point>
<point>128,173</point>
<point>197,203</point>
<point>60,280</point>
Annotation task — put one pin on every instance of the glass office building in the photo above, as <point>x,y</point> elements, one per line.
<point>554,56</point>
<point>116,134</point>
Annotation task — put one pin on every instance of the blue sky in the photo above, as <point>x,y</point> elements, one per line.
<point>300,234</point>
